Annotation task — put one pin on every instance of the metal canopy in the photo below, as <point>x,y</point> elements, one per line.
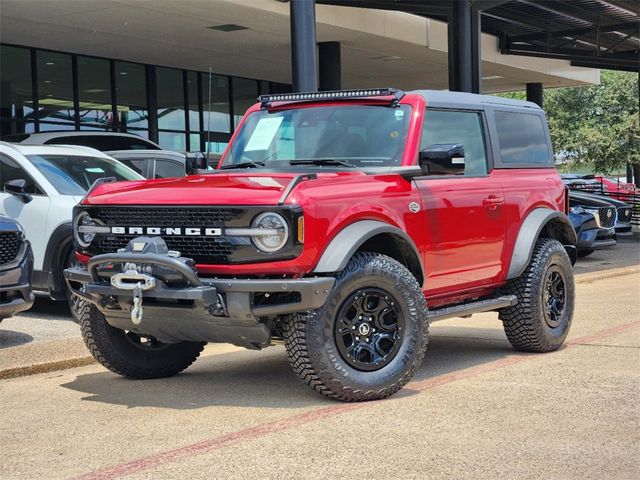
<point>589,33</point>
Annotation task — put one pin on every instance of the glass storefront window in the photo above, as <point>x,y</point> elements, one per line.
<point>216,114</point>
<point>245,94</point>
<point>94,90</point>
<point>170,99</point>
<point>193,102</point>
<point>172,141</point>
<point>194,142</point>
<point>16,97</point>
<point>131,95</point>
<point>55,88</point>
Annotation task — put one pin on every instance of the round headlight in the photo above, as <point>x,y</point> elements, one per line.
<point>275,233</point>
<point>83,238</point>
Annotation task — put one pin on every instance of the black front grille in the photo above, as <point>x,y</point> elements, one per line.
<point>624,214</point>
<point>607,216</point>
<point>201,249</point>
<point>9,246</point>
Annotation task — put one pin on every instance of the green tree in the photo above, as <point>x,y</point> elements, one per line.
<point>599,124</point>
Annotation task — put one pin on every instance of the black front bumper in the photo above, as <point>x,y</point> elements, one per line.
<point>15,279</point>
<point>198,309</point>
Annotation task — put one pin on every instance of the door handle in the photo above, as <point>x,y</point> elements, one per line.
<point>492,202</point>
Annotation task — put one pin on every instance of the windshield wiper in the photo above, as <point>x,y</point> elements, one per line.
<point>243,165</point>
<point>321,161</point>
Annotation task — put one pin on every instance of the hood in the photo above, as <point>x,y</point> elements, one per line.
<point>9,225</point>
<point>589,200</point>
<point>233,188</point>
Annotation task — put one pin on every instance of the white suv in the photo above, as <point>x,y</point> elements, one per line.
<point>39,186</point>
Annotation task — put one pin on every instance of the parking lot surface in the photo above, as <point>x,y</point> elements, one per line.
<point>476,409</point>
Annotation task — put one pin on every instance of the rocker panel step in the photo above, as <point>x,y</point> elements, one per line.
<point>472,307</point>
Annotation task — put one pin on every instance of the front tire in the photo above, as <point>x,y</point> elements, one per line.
<point>368,339</point>
<point>540,321</point>
<point>129,354</point>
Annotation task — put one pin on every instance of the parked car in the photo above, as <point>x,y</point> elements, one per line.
<point>334,219</point>
<point>103,141</point>
<point>152,163</point>
<point>616,188</point>
<point>624,210</point>
<point>16,266</point>
<point>581,182</point>
<point>40,187</point>
<point>594,219</point>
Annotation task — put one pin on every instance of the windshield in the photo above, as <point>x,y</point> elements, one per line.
<point>350,136</point>
<point>74,174</point>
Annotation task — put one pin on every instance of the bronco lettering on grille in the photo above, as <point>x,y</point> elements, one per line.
<point>191,231</point>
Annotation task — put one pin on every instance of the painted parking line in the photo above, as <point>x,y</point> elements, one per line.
<point>262,430</point>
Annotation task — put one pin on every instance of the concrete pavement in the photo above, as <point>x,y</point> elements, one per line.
<point>476,409</point>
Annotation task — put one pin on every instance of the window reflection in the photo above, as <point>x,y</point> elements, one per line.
<point>94,90</point>
<point>16,98</point>
<point>216,113</point>
<point>131,96</point>
<point>170,99</point>
<point>55,88</point>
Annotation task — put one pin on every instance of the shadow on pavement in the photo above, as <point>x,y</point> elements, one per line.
<point>626,253</point>
<point>263,379</point>
<point>9,338</point>
<point>49,309</point>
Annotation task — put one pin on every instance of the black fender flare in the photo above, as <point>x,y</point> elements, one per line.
<point>351,238</point>
<point>529,232</point>
<point>57,245</point>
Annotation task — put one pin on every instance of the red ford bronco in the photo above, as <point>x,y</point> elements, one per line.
<point>342,223</point>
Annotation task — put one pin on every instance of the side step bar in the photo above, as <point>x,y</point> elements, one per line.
<point>472,307</point>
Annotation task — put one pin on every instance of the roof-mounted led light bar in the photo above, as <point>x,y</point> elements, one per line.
<point>332,95</point>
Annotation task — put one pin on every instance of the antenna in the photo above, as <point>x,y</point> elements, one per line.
<point>208,117</point>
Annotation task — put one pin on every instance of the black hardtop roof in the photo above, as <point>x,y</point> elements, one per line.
<point>443,98</point>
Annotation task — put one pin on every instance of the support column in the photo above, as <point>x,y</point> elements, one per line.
<point>329,66</point>
<point>534,93</point>
<point>304,68</point>
<point>464,47</point>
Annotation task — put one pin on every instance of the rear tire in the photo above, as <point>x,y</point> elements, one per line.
<point>375,299</point>
<point>540,321</point>
<point>129,354</point>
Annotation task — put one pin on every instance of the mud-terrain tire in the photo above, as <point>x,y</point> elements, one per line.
<point>585,253</point>
<point>316,345</point>
<point>540,321</point>
<point>120,351</point>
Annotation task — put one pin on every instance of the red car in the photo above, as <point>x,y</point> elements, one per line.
<point>616,188</point>
<point>341,223</point>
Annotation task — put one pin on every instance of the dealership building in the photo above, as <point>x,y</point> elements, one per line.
<point>182,73</point>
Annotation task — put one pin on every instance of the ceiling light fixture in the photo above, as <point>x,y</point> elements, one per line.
<point>228,27</point>
<point>492,77</point>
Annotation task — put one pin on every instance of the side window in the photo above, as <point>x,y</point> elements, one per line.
<point>168,169</point>
<point>522,139</point>
<point>442,126</point>
<point>139,166</point>
<point>10,170</point>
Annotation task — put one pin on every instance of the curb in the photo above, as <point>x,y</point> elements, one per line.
<point>55,365</point>
<point>614,272</point>
<point>46,367</point>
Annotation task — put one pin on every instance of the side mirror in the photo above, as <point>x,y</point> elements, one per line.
<point>16,187</point>
<point>442,158</point>
<point>195,162</point>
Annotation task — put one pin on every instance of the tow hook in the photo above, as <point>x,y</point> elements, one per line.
<point>136,311</point>
<point>137,282</point>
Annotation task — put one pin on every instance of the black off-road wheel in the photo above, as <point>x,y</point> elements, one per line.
<point>368,339</point>
<point>540,321</point>
<point>130,354</point>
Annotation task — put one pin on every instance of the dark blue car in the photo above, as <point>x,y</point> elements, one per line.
<point>16,266</point>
